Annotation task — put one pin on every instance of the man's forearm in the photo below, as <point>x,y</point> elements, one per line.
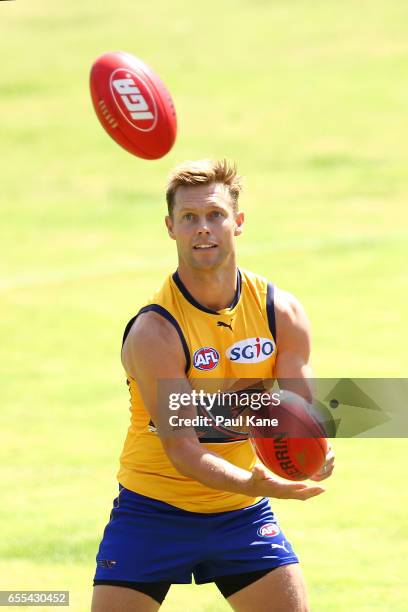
<point>194,461</point>
<point>212,470</point>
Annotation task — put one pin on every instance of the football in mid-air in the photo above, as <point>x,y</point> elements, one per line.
<point>296,448</point>
<point>133,105</point>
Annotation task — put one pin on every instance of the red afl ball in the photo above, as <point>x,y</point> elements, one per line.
<point>133,105</point>
<point>295,448</point>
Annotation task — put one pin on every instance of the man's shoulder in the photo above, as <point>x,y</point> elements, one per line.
<point>287,305</point>
<point>292,323</point>
<point>150,325</point>
<point>151,341</point>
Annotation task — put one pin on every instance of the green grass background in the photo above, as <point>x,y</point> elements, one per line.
<point>310,98</point>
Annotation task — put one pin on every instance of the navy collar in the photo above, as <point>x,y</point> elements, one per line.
<point>194,302</point>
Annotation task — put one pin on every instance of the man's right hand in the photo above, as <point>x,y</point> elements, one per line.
<point>264,483</point>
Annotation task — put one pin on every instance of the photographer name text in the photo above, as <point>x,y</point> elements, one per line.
<point>217,420</point>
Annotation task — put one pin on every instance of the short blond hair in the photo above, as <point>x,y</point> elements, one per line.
<point>204,172</point>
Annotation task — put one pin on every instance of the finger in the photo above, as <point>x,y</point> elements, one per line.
<point>260,473</point>
<point>322,475</point>
<point>325,469</point>
<point>301,494</point>
<point>280,485</point>
<point>297,490</point>
<point>309,493</point>
<point>329,465</point>
<point>293,486</point>
<point>259,469</point>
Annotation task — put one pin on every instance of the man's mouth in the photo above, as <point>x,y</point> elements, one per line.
<point>205,246</point>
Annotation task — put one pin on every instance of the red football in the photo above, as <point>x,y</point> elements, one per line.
<point>133,105</point>
<point>296,448</point>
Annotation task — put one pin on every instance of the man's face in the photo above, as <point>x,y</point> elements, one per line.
<point>204,225</point>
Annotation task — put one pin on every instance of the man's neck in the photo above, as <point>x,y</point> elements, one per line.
<point>213,289</point>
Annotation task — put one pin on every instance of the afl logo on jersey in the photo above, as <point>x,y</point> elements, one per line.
<point>250,350</point>
<point>270,530</point>
<point>206,358</point>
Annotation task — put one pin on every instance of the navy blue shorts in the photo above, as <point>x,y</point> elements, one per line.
<point>147,540</point>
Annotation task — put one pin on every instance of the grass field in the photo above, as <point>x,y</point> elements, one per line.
<point>310,99</point>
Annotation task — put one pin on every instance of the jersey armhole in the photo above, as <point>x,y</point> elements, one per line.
<point>169,317</point>
<point>270,310</point>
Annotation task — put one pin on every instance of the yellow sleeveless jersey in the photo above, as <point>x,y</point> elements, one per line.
<point>236,343</point>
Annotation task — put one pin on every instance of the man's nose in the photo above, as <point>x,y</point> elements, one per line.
<point>203,227</point>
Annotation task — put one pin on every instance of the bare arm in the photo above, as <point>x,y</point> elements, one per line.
<point>153,352</point>
<point>293,369</point>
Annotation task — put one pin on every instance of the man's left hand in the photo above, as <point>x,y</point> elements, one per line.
<point>327,468</point>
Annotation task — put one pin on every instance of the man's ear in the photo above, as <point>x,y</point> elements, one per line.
<point>169,224</point>
<point>239,223</point>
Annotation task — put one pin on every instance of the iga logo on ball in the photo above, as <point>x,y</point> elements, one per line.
<point>206,358</point>
<point>134,99</point>
<point>133,105</point>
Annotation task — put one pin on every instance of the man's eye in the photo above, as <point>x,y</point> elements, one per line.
<point>188,216</point>
<point>216,214</point>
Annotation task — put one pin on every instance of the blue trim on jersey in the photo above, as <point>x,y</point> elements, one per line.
<point>270,309</point>
<point>196,304</point>
<point>167,315</point>
<point>128,328</point>
<point>147,540</point>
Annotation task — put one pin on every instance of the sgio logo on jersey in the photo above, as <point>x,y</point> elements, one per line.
<point>134,99</point>
<point>206,358</point>
<point>250,350</point>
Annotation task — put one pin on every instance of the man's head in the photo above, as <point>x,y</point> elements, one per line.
<point>202,199</point>
<point>204,172</point>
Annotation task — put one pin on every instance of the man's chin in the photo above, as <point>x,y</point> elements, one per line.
<point>207,266</point>
<point>205,263</point>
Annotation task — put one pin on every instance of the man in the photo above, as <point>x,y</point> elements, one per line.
<point>196,504</point>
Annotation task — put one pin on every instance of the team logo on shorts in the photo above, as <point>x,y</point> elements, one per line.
<point>107,563</point>
<point>270,530</point>
<point>206,358</point>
